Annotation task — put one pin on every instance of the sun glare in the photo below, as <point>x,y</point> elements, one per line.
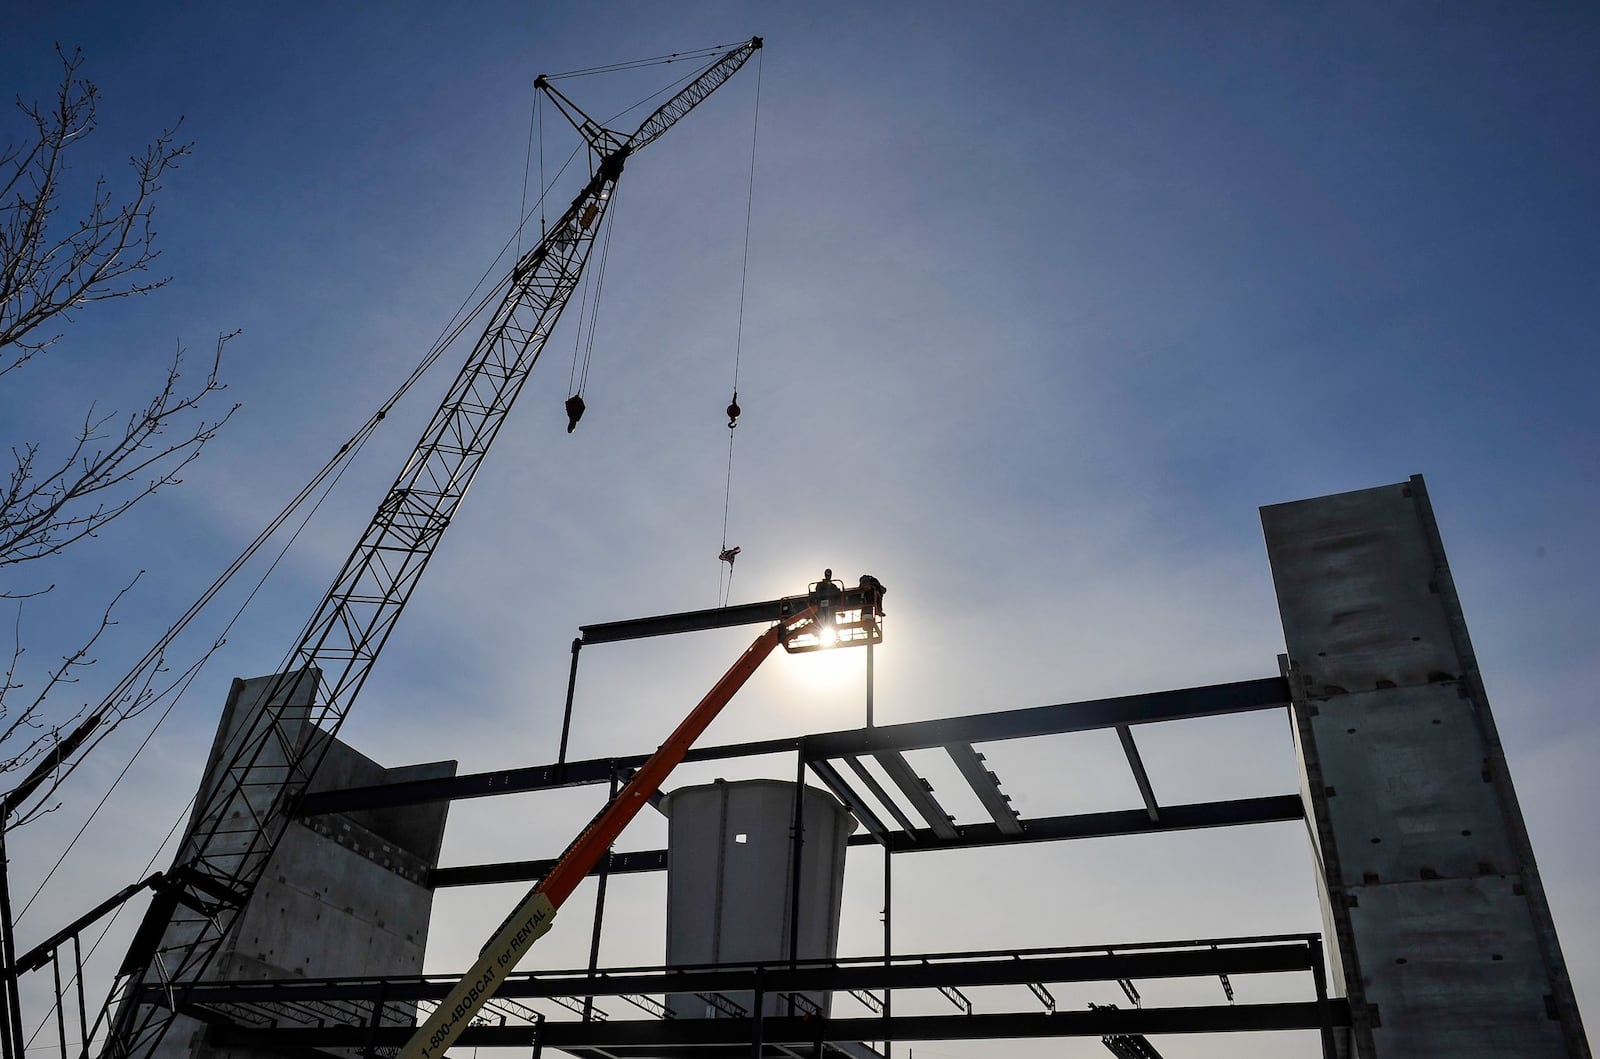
<point>827,676</point>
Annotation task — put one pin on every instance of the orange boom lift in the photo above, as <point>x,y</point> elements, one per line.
<point>827,616</point>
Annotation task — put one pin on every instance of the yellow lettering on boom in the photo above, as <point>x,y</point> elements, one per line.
<point>455,1012</point>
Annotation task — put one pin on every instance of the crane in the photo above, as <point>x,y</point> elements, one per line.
<point>238,822</point>
<point>827,616</point>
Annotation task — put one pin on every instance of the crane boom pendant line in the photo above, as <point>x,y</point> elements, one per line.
<point>239,821</point>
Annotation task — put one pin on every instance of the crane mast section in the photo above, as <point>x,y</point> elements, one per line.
<point>240,819</point>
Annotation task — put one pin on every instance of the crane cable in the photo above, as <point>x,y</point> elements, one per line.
<point>181,683</point>
<point>144,670</point>
<point>727,555</point>
<point>588,319</point>
<point>659,60</point>
<point>130,687</point>
<point>325,479</point>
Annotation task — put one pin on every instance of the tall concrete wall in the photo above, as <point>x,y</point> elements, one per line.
<point>344,894</point>
<point>1438,927</point>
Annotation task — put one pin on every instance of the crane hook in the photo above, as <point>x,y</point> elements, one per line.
<point>575,407</point>
<point>733,411</point>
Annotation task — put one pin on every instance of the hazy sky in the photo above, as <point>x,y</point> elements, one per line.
<point>1043,304</point>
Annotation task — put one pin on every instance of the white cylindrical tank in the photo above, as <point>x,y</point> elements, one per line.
<point>730,877</point>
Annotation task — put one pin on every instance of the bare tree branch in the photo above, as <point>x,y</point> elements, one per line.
<point>48,266</point>
<point>43,510</point>
<point>56,257</point>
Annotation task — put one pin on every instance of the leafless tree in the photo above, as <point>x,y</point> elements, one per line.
<point>56,257</point>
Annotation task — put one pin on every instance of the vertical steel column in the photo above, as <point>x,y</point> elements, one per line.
<point>599,906</point>
<point>12,1035</point>
<point>888,943</point>
<point>869,683</point>
<point>572,685</point>
<point>61,1007</point>
<point>796,847</point>
<point>83,1014</point>
<point>1319,976</point>
<point>370,1049</point>
<point>756,1026</point>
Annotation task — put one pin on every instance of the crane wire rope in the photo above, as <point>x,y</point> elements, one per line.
<point>106,929</point>
<point>634,64</point>
<point>340,461</point>
<point>185,680</point>
<point>325,479</point>
<point>181,684</point>
<point>586,333</point>
<point>727,556</point>
<point>334,467</point>
<point>577,380</point>
<point>534,117</point>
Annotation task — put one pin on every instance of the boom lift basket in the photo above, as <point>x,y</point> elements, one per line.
<point>845,617</point>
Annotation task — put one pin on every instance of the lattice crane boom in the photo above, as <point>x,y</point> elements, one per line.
<point>240,819</point>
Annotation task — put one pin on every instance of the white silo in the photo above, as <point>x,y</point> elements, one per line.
<point>730,876</point>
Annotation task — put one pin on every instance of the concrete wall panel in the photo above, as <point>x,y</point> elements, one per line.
<point>342,894</point>
<point>1439,930</point>
<point>1412,807</point>
<point>1460,973</point>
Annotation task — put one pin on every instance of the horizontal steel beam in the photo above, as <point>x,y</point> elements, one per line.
<point>1270,809</point>
<point>513,781</point>
<point>653,1033</point>
<point>928,972</point>
<point>767,611</point>
<point>1213,700</point>
<point>529,870</point>
<point>1267,810</point>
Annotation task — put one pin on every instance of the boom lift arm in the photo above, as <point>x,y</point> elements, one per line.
<point>239,821</point>
<point>814,618</point>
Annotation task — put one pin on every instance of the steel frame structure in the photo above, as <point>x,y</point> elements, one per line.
<point>306,1016</point>
<point>838,760</point>
<point>373,1014</point>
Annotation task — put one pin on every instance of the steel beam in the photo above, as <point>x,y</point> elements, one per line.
<point>1214,700</point>
<point>918,791</point>
<point>986,785</point>
<point>768,611</point>
<point>872,784</point>
<point>649,1036</point>
<point>1267,810</point>
<point>847,794</point>
<point>912,972</point>
<point>1131,750</point>
<point>514,781</point>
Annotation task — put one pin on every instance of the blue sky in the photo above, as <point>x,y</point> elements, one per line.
<point>1044,302</point>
